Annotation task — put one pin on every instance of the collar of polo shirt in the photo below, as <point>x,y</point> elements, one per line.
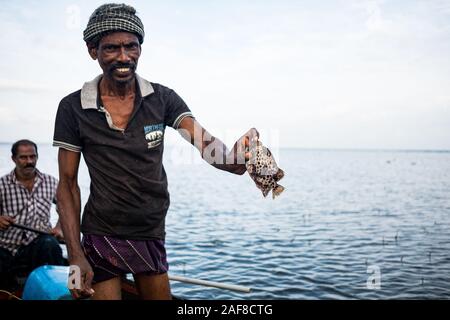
<point>90,90</point>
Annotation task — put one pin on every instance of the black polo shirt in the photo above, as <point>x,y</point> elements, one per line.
<point>128,192</point>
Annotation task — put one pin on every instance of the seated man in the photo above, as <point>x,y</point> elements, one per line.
<point>26,197</point>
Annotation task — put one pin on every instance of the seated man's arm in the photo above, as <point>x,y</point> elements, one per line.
<point>5,222</point>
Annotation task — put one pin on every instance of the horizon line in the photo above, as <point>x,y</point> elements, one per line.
<point>436,150</point>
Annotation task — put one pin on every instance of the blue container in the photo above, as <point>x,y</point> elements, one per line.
<point>47,283</point>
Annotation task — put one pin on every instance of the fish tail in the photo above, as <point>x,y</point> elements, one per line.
<point>277,191</point>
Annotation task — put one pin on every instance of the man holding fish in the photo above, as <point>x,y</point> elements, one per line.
<point>118,122</point>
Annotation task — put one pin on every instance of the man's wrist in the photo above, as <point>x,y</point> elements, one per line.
<point>238,169</point>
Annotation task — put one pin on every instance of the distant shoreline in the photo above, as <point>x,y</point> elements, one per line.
<point>321,149</point>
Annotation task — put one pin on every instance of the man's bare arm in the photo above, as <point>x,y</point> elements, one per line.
<point>69,209</point>
<point>69,202</point>
<point>214,151</point>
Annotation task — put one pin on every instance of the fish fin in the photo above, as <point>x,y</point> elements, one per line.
<point>277,191</point>
<point>265,192</point>
<point>279,175</point>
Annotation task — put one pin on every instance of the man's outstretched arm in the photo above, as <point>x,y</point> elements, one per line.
<point>214,151</point>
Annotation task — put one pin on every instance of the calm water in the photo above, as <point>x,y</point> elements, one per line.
<point>343,213</point>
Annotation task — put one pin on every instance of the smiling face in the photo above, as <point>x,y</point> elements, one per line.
<point>25,160</point>
<point>118,54</point>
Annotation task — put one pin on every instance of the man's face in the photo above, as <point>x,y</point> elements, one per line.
<point>26,159</point>
<point>118,54</point>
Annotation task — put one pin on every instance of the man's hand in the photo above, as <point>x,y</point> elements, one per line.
<point>250,139</point>
<point>86,273</point>
<point>5,222</point>
<point>241,149</point>
<point>57,233</point>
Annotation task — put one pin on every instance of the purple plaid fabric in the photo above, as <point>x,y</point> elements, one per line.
<point>113,257</point>
<point>28,208</point>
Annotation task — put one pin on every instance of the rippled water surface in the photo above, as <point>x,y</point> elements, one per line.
<point>343,213</point>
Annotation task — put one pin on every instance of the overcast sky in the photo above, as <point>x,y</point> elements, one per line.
<point>314,74</point>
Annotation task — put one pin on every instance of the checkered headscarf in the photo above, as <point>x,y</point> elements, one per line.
<point>113,17</point>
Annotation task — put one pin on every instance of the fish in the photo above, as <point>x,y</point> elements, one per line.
<point>264,170</point>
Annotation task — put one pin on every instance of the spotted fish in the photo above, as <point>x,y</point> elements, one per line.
<point>263,169</point>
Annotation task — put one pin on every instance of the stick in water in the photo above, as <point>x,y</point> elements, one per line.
<point>210,284</point>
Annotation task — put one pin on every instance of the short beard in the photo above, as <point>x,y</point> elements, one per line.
<point>123,83</point>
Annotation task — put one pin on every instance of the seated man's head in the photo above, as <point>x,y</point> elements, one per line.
<point>114,35</point>
<point>24,153</point>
